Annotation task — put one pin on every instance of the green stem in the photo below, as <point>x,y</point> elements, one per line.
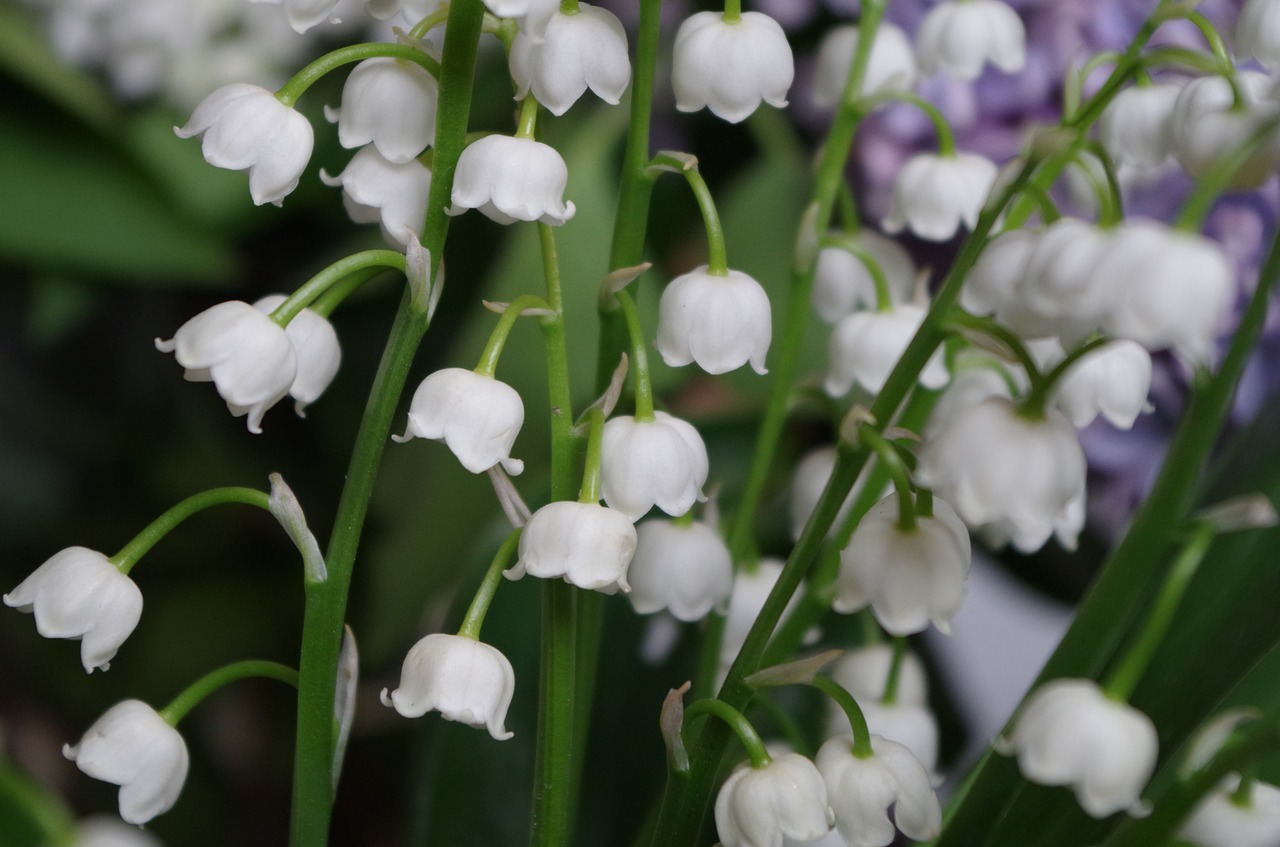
<point>639,358</point>
<point>735,720</point>
<point>718,261</point>
<point>488,587</point>
<point>1073,83</point>
<point>732,11</point>
<point>163,525</point>
<point>946,138</point>
<point>635,189</point>
<point>890,695</point>
<point>430,22</point>
<point>1034,403</point>
<point>1055,375</point>
<point>488,364</point>
<point>849,243</point>
<point>1214,39</point>
<point>357,264</point>
<point>829,178</point>
<point>313,72</point>
<point>861,734</point>
<point>850,224</point>
<point>568,7</point>
<point>1110,202</point>
<point>528,124</point>
<point>326,602</point>
<point>212,681</point>
<point>1220,176</point>
<point>889,458</point>
<point>591,475</point>
<point>341,290</point>
<point>1120,683</point>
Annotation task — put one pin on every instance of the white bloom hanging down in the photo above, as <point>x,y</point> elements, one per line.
<point>246,355</point>
<point>864,673</point>
<point>1070,733</point>
<point>890,67</point>
<point>933,195</point>
<point>861,792</point>
<point>993,281</point>
<point>1258,33</point>
<point>719,322</point>
<point>909,578</point>
<point>1018,478</point>
<point>390,103</point>
<point>586,544</point>
<point>842,283</point>
<point>79,594</point>
<point>315,345</point>
<point>476,416</point>
<point>662,462</point>
<point>573,53</point>
<point>1221,821</point>
<point>785,799</point>
<point>1207,126</point>
<point>512,179</point>
<point>730,67</point>
<point>684,569</point>
<point>1136,128</point>
<point>866,345</point>
<point>133,747</point>
<point>1112,380</point>
<point>375,190</point>
<point>245,128</point>
<point>958,38</point>
<point>464,680</point>
<point>1167,288</point>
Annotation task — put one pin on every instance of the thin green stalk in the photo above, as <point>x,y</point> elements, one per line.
<point>568,7</point>
<point>326,602</point>
<point>430,22</point>
<point>1107,189</point>
<point>732,11</point>
<point>212,681</point>
<point>527,127</point>
<point>590,492</point>
<point>316,70</point>
<point>892,462</point>
<point>858,721</point>
<point>479,607</point>
<point>639,358</point>
<point>356,265</point>
<point>163,525</point>
<point>827,182</point>
<point>946,138</point>
<point>736,721</point>
<point>340,291</point>
<point>849,243</point>
<point>488,364</point>
<point>890,695</point>
<point>717,258</point>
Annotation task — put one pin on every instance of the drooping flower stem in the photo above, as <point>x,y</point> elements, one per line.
<point>568,7</point>
<point>1122,680</point>
<point>861,734</point>
<point>356,265</point>
<point>326,602</point>
<point>890,695</point>
<point>527,127</point>
<point>590,492</point>
<point>732,11</point>
<point>341,290</point>
<point>1219,176</point>
<point>892,462</point>
<point>946,138</point>
<point>479,607</point>
<point>736,721</point>
<point>163,525</point>
<point>212,681</point>
<point>1106,187</point>
<point>639,358</point>
<point>687,166</point>
<point>846,241</point>
<point>313,72</point>
<point>488,364</point>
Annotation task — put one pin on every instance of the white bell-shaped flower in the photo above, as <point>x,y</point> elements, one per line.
<point>391,104</point>
<point>729,67</point>
<point>1061,292</point>
<point>1020,477</point>
<point>315,345</point>
<point>1168,289</point>
<point>586,544</point>
<point>866,345</point>
<point>958,38</point>
<point>842,283</point>
<point>1223,820</point>
<point>1112,380</point>
<point>464,680</point>
<point>79,594</point>
<point>1001,268</point>
<point>719,322</point>
<point>933,195</point>
<point>909,578</point>
<point>512,179</point>
<point>760,807</point>
<point>133,747</point>
<point>1207,125</point>
<point>861,792</point>
<point>476,416</point>
<point>375,190</point>
<point>684,569</point>
<point>575,52</point>
<point>245,128</point>
<point>302,15</point>
<point>643,464</point>
<point>1071,733</point>
<point>1258,33</point>
<point>907,720</point>
<point>1136,128</point>
<point>247,356</point>
<point>110,831</point>
<point>890,67</point>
